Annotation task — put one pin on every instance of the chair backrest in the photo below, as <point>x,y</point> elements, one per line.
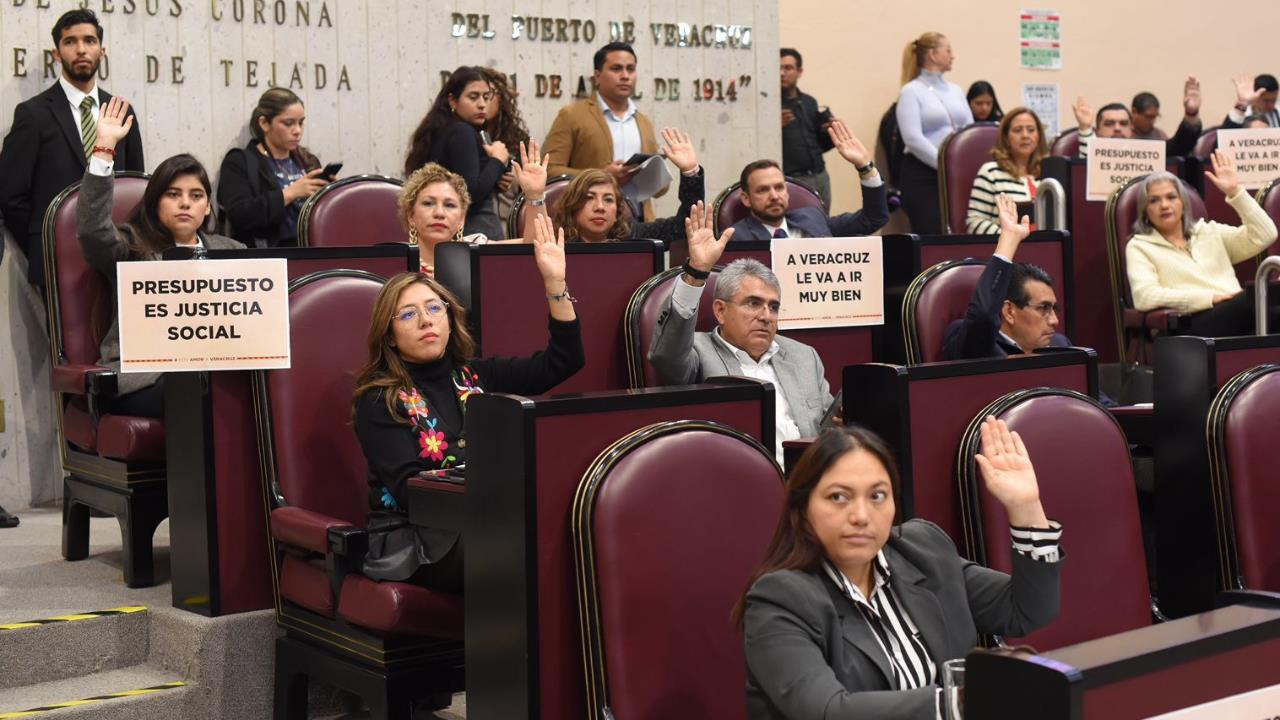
<point>311,456</point>
<point>933,300</point>
<point>1086,483</point>
<point>641,319</point>
<point>1243,456</point>
<point>77,317</point>
<point>1269,198</point>
<point>1122,209</point>
<point>556,187</point>
<point>1206,144</point>
<point>356,210</point>
<point>961,154</point>
<point>1067,144</point>
<point>660,565</point>
<point>728,208</point>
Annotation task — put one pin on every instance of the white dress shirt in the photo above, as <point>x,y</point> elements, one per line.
<point>75,97</point>
<point>624,130</point>
<point>790,231</point>
<point>684,302</point>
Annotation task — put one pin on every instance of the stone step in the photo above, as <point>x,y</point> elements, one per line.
<point>68,646</point>
<point>140,693</point>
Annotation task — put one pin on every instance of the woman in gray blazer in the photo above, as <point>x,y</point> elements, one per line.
<point>851,617</point>
<point>174,211</point>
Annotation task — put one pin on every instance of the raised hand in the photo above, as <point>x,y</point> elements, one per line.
<point>849,147</point>
<point>1191,96</point>
<point>1008,474</point>
<point>1012,230</point>
<point>1245,92</point>
<point>704,248</point>
<point>1224,174</point>
<point>548,252</point>
<point>531,170</point>
<point>1084,114</point>
<point>679,150</point>
<point>498,151</point>
<point>114,122</point>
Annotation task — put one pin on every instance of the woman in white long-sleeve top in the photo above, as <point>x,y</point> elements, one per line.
<point>1184,264</point>
<point>929,109</point>
<point>175,211</point>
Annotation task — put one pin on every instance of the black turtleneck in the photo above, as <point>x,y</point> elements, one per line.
<point>394,449</point>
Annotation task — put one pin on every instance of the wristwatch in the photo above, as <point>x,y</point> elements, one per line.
<point>539,202</point>
<point>864,170</point>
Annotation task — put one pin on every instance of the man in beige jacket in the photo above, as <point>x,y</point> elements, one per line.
<point>605,129</point>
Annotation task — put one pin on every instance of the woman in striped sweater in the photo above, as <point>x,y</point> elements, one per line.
<point>1019,149</point>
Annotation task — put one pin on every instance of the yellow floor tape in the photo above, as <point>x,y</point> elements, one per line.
<point>91,700</point>
<point>72,618</point>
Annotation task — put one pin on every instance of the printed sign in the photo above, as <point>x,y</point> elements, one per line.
<point>829,282</point>
<point>203,315</point>
<point>1042,99</point>
<point>1115,161</point>
<point>1256,152</point>
<point>1263,704</point>
<point>1040,39</point>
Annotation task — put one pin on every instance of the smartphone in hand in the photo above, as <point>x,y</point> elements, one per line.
<point>331,170</point>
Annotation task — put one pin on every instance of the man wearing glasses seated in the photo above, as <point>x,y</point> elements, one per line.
<point>1013,310</point>
<point>745,341</point>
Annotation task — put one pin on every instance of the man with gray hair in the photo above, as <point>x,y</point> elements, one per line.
<point>745,341</point>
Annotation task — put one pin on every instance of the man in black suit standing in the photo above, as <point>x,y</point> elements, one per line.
<point>764,192</point>
<point>53,134</point>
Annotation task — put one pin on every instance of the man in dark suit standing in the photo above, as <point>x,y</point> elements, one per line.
<point>764,192</point>
<point>54,133</point>
<point>1013,310</point>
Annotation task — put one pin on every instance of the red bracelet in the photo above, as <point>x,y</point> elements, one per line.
<point>104,149</point>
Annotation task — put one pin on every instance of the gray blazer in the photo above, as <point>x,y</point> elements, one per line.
<point>810,653</point>
<point>104,244</point>
<point>682,357</point>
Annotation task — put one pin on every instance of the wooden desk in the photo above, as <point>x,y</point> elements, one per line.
<point>1137,674</point>
<point>525,458</point>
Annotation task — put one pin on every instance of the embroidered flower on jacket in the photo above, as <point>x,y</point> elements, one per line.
<point>413,404</point>
<point>388,500</point>
<point>433,444</point>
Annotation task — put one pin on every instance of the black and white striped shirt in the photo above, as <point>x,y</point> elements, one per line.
<point>899,638</point>
<point>983,217</point>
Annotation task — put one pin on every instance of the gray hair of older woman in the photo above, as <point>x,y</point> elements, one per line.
<point>730,280</point>
<point>1142,224</point>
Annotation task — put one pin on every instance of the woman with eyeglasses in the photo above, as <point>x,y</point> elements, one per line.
<point>411,398</point>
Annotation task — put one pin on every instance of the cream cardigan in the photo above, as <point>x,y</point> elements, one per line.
<point>1161,275</point>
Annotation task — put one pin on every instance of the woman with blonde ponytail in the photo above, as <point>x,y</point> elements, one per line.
<point>929,109</point>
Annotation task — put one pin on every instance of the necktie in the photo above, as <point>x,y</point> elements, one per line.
<point>88,128</point>
<point>780,233</point>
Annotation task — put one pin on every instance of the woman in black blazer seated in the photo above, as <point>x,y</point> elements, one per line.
<point>850,616</point>
<point>450,135</point>
<point>174,212</point>
<point>590,210</point>
<point>411,398</point>
<point>261,187</point>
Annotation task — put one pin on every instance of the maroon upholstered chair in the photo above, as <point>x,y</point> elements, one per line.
<point>114,463</point>
<point>555,190</point>
<point>961,154</point>
<point>1086,483</point>
<point>933,300</point>
<point>356,210</point>
<point>391,643</point>
<point>1243,457</point>
<point>728,208</point>
<point>1135,330</point>
<point>1206,144</point>
<point>1067,144</point>
<point>641,318</point>
<point>660,565</point>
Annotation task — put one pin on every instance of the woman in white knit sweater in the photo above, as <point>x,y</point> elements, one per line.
<point>1176,262</point>
<point>1020,146</point>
